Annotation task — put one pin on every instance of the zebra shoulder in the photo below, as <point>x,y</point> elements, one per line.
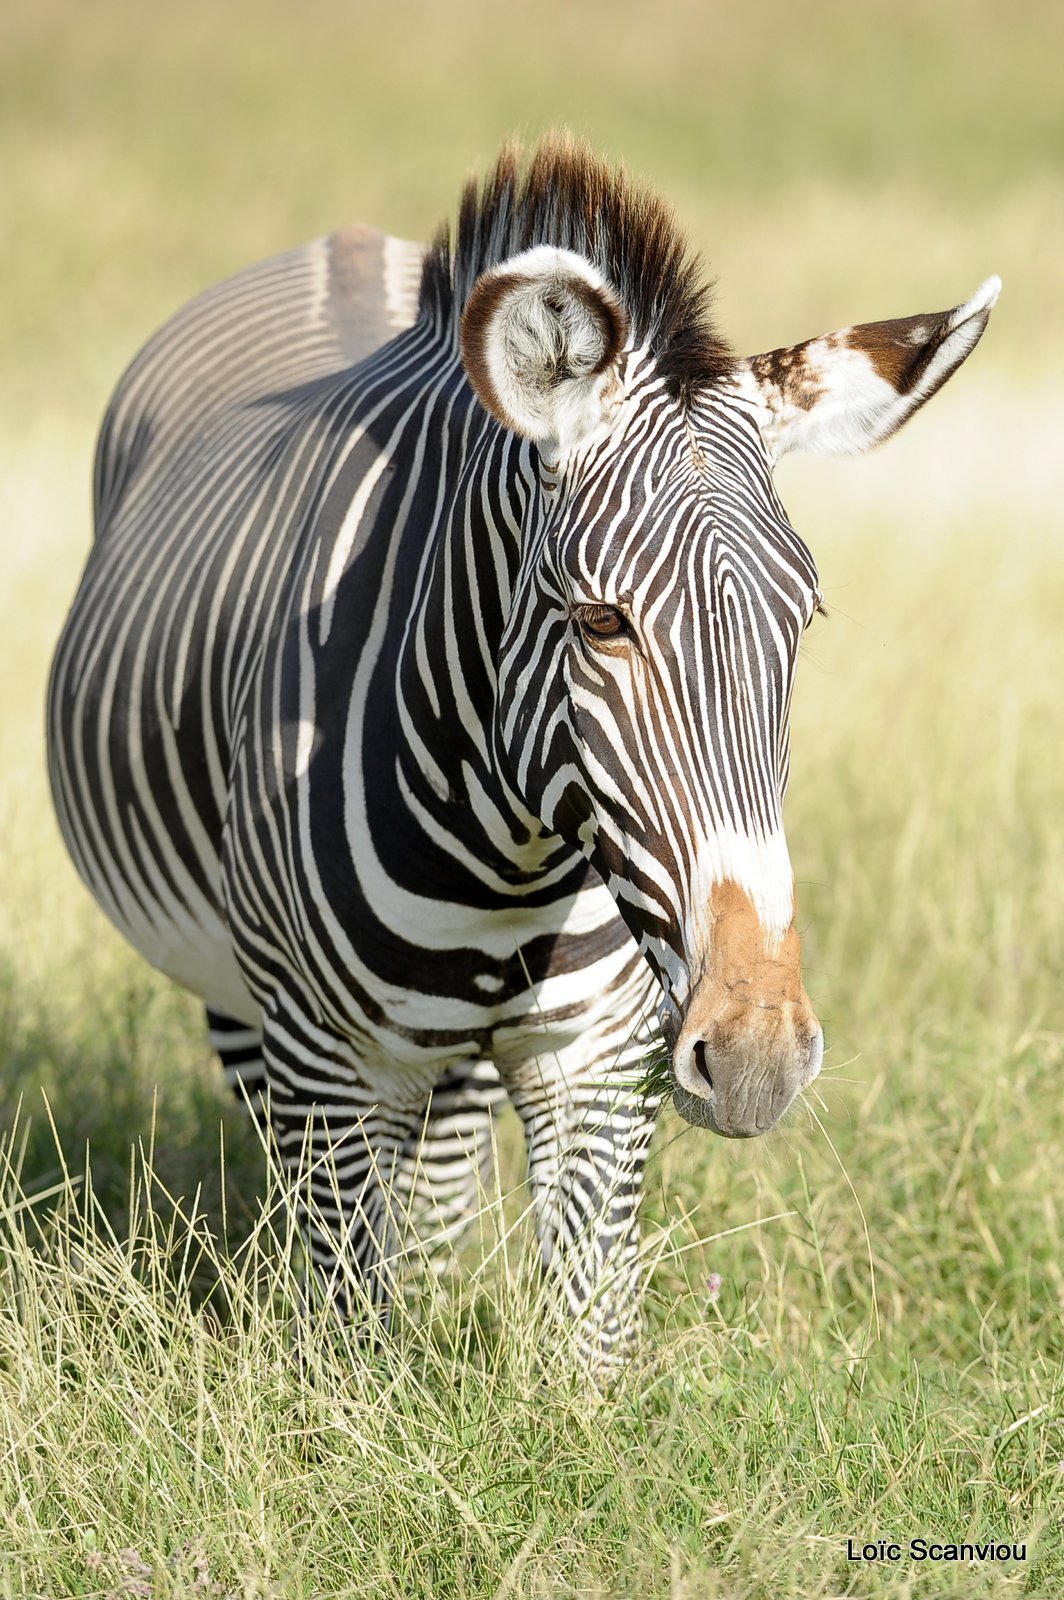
<point>288,321</point>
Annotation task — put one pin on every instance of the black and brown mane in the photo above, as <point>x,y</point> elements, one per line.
<point>565,195</point>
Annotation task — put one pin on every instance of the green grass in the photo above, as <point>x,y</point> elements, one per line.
<point>154,1417</point>
<point>883,1358</point>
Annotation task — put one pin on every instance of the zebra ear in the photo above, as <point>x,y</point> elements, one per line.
<point>541,334</point>
<point>848,390</point>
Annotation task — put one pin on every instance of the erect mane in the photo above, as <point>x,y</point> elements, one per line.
<point>567,196</point>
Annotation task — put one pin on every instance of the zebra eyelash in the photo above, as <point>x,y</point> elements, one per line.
<point>602,624</point>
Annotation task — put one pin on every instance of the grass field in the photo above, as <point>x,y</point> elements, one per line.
<point>883,1357</point>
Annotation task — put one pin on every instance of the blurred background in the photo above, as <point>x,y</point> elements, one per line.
<point>836,163</point>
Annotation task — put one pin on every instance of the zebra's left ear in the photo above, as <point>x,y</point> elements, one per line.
<point>541,334</point>
<point>848,390</point>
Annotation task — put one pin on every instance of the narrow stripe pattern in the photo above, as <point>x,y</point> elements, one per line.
<point>330,748</point>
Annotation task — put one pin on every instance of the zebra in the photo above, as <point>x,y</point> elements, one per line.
<point>424,704</point>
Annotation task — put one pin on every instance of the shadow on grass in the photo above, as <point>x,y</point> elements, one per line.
<point>115,1121</point>
<point>87,1085</point>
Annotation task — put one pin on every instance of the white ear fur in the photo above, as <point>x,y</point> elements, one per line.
<point>541,334</point>
<point>848,390</point>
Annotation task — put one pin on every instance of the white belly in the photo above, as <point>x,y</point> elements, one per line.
<point>196,954</point>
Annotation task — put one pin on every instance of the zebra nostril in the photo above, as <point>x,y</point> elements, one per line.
<point>699,1054</point>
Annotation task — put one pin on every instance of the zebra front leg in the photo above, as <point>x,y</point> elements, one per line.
<point>445,1168</point>
<point>350,1220</point>
<point>587,1149</point>
<point>340,1147</point>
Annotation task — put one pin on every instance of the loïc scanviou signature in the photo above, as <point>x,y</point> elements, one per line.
<point>920,1549</point>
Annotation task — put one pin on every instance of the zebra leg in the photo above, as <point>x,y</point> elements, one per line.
<point>239,1048</point>
<point>588,1139</point>
<point>349,1219</point>
<point>340,1146</point>
<point>445,1168</point>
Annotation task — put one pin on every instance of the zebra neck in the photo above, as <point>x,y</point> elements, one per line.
<point>451,771</point>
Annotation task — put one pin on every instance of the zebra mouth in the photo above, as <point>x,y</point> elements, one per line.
<point>670,1022</point>
<point>699,1113</point>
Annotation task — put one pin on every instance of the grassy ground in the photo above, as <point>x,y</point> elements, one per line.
<point>883,1359</point>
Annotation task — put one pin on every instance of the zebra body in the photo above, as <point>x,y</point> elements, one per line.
<point>424,704</point>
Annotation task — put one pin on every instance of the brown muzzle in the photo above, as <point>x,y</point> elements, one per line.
<point>748,1042</point>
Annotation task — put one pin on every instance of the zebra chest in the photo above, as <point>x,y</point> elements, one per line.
<point>555,997</point>
<point>412,975</point>
<point>441,972</point>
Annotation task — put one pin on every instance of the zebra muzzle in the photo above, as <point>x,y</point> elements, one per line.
<point>748,1042</point>
<point>742,1090</point>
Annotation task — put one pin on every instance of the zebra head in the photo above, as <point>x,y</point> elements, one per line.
<point>657,614</point>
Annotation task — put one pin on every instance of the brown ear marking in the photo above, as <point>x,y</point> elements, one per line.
<point>914,355</point>
<point>488,291</point>
<point>787,378</point>
<point>902,348</point>
<point>488,294</point>
<point>609,314</point>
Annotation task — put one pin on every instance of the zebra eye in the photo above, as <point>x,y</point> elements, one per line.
<point>601,622</point>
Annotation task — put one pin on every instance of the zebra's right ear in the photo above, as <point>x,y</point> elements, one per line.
<point>541,334</point>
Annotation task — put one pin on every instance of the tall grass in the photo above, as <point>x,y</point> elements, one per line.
<point>881,1356</point>
<point>158,1430</point>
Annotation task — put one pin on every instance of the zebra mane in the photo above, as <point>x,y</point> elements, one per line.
<point>565,195</point>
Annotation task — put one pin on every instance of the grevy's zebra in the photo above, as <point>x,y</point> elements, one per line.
<point>419,686</point>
